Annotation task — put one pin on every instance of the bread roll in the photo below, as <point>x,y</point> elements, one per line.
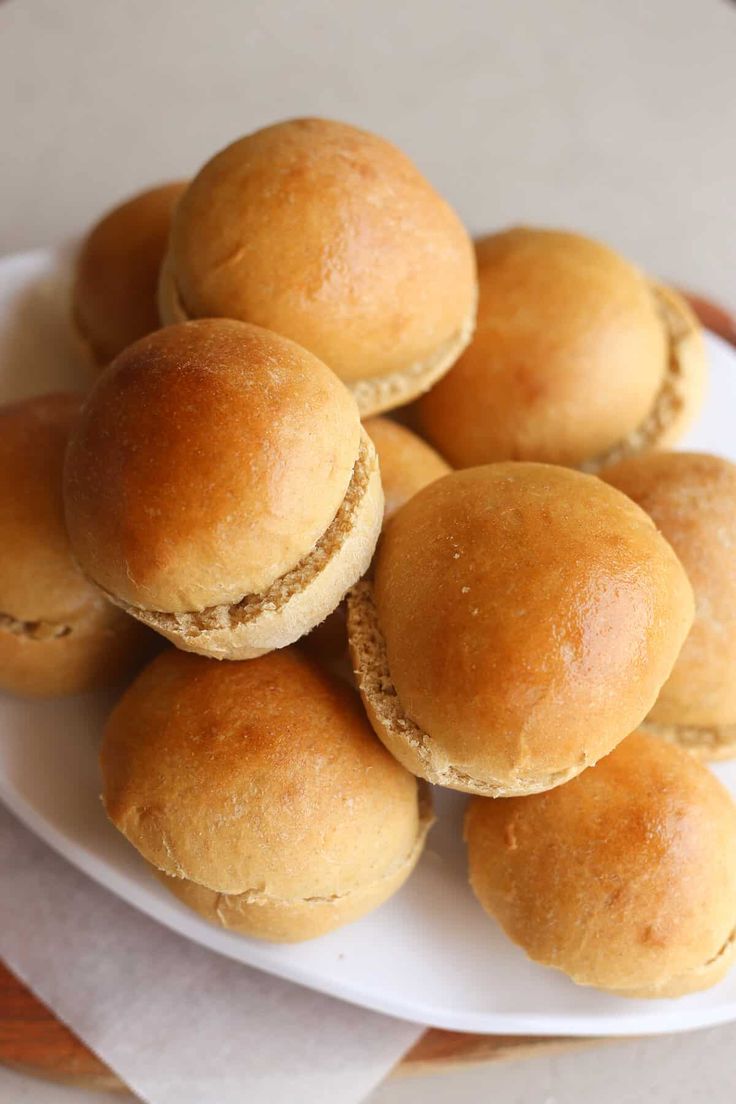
<point>58,635</point>
<point>691,497</point>
<point>407,462</point>
<point>522,621</point>
<point>114,298</point>
<point>330,236</point>
<point>220,488</point>
<point>625,878</point>
<point>259,793</point>
<point>577,359</point>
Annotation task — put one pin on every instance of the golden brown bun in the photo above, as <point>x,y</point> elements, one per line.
<point>691,497</point>
<point>625,878</point>
<point>329,235</point>
<point>576,358</point>
<point>293,920</point>
<point>58,635</point>
<point>210,458</point>
<point>221,489</point>
<point>114,299</point>
<point>260,781</point>
<point>522,621</point>
<point>407,462</point>
<point>298,600</point>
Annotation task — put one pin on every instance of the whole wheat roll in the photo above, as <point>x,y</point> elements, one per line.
<point>521,621</point>
<point>220,488</point>
<point>259,793</point>
<point>624,878</point>
<point>577,358</point>
<point>329,235</point>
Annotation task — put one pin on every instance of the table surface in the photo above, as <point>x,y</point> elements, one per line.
<point>614,119</point>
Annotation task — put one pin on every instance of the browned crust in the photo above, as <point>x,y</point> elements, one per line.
<point>680,394</point>
<point>374,395</point>
<point>298,600</point>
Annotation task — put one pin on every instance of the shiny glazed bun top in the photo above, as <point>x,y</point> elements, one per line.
<point>577,358</point>
<point>329,235</point>
<point>625,878</point>
<point>210,458</point>
<point>259,793</point>
<point>528,615</point>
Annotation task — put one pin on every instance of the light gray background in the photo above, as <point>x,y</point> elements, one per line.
<point>615,117</point>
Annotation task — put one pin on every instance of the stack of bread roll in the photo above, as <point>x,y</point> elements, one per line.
<point>547,622</point>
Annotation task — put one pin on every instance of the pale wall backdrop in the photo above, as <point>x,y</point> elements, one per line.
<point>615,117</point>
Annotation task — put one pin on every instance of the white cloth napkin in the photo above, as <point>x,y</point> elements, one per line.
<point>179,1024</point>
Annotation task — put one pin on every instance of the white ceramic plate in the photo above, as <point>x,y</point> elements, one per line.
<point>429,954</point>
